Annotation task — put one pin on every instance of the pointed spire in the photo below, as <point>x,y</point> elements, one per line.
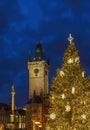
<point>39,53</point>
<point>35,98</point>
<point>70,38</point>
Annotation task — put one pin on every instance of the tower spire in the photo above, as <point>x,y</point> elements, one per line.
<point>39,53</point>
<point>70,38</point>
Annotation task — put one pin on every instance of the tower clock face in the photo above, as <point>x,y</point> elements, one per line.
<point>36,71</point>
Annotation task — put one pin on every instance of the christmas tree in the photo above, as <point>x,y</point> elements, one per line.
<point>69,96</point>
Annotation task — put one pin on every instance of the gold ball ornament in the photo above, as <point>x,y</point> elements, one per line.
<point>72,118</point>
<point>65,90</point>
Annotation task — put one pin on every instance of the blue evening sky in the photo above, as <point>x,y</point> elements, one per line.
<point>24,23</point>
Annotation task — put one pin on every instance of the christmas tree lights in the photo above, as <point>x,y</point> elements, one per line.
<point>69,96</point>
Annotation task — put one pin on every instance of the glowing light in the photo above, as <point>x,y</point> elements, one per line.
<point>52,116</point>
<point>37,122</point>
<point>63,96</point>
<point>68,108</point>
<point>40,125</point>
<point>70,61</point>
<point>70,38</point>
<point>61,73</point>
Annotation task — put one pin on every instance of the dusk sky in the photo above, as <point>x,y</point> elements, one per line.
<point>24,23</point>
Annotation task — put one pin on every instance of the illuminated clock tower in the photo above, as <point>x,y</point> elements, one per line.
<point>38,73</point>
<point>38,89</point>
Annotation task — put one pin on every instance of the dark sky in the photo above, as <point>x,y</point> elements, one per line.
<point>24,23</point>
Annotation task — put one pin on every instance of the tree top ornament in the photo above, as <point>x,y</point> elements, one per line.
<point>70,38</point>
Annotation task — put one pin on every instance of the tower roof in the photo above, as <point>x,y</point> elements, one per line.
<point>39,53</point>
<point>35,99</point>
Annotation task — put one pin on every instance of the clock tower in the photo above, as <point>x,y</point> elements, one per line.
<point>38,73</point>
<point>38,89</point>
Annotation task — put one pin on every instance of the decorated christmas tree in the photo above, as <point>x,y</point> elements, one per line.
<point>70,95</point>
